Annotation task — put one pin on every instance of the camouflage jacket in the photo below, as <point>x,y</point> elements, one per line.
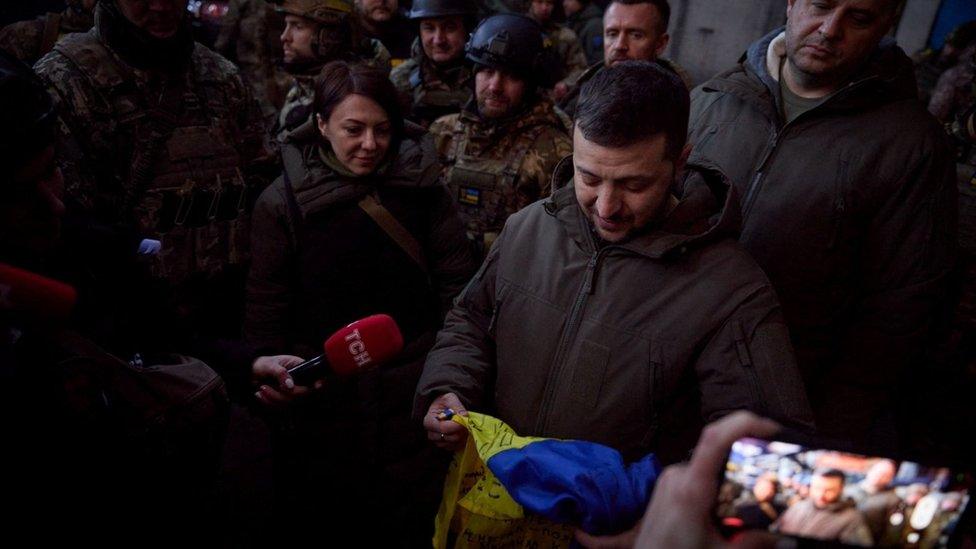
<point>164,154</point>
<point>249,37</point>
<point>567,47</point>
<point>494,169</point>
<point>427,91</point>
<point>298,101</point>
<point>31,40</point>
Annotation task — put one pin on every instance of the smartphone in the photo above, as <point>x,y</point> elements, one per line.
<point>829,498</point>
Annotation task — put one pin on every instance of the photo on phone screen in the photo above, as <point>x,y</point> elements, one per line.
<point>838,497</point>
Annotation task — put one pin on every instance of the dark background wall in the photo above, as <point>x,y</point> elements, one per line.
<point>18,10</point>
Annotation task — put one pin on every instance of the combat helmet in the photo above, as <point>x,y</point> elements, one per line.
<point>337,34</point>
<point>320,11</point>
<point>509,42</point>
<point>426,9</point>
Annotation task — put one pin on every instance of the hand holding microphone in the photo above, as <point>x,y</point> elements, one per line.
<point>362,345</point>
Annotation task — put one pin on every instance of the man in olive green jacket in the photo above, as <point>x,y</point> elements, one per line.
<point>620,310</point>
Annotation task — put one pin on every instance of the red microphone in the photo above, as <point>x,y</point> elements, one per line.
<point>36,297</point>
<point>362,345</point>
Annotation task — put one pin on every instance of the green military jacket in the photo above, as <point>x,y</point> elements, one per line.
<point>428,91</point>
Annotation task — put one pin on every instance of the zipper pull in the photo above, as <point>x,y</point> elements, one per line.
<point>590,274</point>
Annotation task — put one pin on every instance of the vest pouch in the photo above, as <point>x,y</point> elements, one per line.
<point>485,192</point>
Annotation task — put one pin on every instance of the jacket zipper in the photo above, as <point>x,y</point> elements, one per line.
<point>569,334</point>
<point>756,183</point>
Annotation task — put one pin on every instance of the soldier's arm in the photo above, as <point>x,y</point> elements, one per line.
<point>535,174</point>
<point>76,158</point>
<point>575,59</point>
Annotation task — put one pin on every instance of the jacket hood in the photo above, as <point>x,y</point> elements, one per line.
<point>887,74</point>
<point>706,210</point>
<point>414,165</point>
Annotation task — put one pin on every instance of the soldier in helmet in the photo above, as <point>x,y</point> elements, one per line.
<point>437,80</point>
<point>28,41</point>
<point>316,32</point>
<point>158,138</point>
<point>500,150</point>
<point>564,42</point>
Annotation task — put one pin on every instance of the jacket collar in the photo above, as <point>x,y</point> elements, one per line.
<point>886,75</point>
<point>706,211</point>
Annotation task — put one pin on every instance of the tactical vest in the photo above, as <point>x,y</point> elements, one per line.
<point>431,102</point>
<point>484,188</point>
<point>182,182</point>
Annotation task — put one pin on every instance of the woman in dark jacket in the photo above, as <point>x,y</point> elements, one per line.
<point>346,453</point>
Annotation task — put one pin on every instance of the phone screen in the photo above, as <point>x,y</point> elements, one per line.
<point>839,498</point>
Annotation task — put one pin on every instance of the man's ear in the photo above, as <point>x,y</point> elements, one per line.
<point>662,44</point>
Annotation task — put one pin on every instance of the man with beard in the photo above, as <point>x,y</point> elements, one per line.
<point>316,32</point>
<point>31,40</point>
<point>634,30</point>
<point>500,150</point>
<point>825,514</point>
<point>158,137</point>
<point>848,204</point>
<point>564,43</point>
<point>436,80</point>
<point>382,20</point>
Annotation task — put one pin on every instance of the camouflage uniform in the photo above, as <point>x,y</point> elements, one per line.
<point>495,168</point>
<point>298,101</point>
<point>250,36</point>
<point>162,153</point>
<point>31,40</point>
<point>429,91</point>
<point>338,37</point>
<point>566,45</point>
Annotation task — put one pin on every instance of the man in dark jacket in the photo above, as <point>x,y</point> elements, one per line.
<point>620,310</point>
<point>847,200</point>
<point>634,30</point>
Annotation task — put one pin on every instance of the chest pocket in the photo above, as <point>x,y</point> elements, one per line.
<point>485,188</point>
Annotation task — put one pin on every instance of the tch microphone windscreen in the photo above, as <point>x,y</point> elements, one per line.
<point>34,296</point>
<point>365,343</point>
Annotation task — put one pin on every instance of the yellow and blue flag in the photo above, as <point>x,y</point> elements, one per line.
<point>505,490</point>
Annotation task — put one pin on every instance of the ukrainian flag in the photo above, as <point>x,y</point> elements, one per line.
<point>512,491</point>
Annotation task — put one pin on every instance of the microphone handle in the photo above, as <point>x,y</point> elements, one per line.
<point>309,371</point>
